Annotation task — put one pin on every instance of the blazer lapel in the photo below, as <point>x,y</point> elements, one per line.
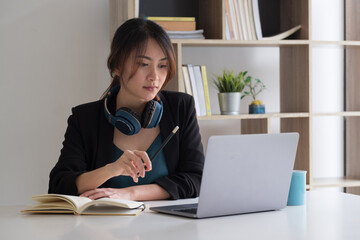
<point>105,137</point>
<point>167,124</point>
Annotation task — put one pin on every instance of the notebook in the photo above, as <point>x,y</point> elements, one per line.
<point>242,174</point>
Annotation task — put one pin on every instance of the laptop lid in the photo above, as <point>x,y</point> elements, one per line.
<point>246,173</point>
<point>243,174</point>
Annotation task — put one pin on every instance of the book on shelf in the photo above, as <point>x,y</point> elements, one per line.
<point>229,21</point>
<point>238,20</point>
<point>182,19</point>
<point>186,77</point>
<point>248,20</point>
<point>252,20</point>
<point>200,89</point>
<point>197,34</point>
<point>179,27</point>
<point>58,203</point>
<point>196,84</point>
<point>243,22</point>
<point>227,28</point>
<point>175,23</point>
<point>206,90</point>
<point>283,35</point>
<point>194,88</point>
<point>136,4</point>
<point>257,22</point>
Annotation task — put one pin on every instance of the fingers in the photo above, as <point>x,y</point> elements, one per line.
<point>133,172</point>
<point>145,159</point>
<point>94,194</point>
<point>131,169</point>
<point>135,163</point>
<point>97,193</point>
<point>107,193</point>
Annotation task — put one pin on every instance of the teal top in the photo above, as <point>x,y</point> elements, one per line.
<point>159,168</point>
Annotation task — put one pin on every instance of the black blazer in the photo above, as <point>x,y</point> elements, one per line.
<point>89,140</point>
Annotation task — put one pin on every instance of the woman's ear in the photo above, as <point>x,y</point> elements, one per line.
<point>117,72</point>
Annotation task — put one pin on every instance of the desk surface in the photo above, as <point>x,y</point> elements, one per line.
<point>325,216</point>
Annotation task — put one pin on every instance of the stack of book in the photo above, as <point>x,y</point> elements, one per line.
<point>243,21</point>
<point>196,84</point>
<point>179,27</point>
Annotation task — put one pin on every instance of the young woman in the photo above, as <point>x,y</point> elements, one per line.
<point>108,143</point>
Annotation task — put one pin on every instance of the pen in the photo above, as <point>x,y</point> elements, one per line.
<point>165,142</point>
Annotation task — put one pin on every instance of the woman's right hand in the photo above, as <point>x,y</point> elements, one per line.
<point>132,163</point>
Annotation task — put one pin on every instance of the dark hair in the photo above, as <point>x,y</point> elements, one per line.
<point>133,35</point>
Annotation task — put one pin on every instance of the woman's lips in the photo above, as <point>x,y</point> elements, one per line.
<point>151,88</point>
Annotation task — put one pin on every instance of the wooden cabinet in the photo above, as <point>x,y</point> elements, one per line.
<point>296,112</point>
<point>352,97</point>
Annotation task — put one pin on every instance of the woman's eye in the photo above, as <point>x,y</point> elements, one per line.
<point>142,64</point>
<point>163,66</point>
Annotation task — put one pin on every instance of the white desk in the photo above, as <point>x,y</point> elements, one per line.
<point>325,216</point>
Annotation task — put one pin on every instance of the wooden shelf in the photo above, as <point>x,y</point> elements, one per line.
<point>238,43</point>
<point>336,43</point>
<point>254,116</point>
<point>340,114</point>
<point>295,75</point>
<point>334,182</point>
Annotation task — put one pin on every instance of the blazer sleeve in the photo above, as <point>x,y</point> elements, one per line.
<point>71,162</point>
<point>186,156</point>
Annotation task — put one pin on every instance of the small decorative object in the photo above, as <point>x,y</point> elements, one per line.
<point>256,105</point>
<point>230,87</point>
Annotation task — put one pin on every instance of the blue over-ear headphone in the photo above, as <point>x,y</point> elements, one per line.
<point>128,121</point>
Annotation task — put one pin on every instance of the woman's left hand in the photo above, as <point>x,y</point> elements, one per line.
<point>119,193</point>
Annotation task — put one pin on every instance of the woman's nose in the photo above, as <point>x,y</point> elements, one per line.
<point>153,74</point>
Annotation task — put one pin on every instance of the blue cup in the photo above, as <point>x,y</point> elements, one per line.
<point>297,188</point>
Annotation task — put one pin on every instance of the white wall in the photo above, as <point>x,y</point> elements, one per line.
<point>52,57</point>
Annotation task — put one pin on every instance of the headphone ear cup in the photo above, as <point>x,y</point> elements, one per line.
<point>152,114</point>
<point>127,121</point>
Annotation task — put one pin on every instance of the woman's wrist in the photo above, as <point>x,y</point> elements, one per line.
<point>147,192</point>
<point>133,193</point>
<point>110,170</point>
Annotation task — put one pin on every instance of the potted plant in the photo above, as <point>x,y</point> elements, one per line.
<point>255,87</point>
<point>230,87</point>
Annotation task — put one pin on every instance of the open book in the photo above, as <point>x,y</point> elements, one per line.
<point>57,203</point>
<point>283,35</point>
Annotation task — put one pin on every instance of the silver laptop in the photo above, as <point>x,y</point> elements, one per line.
<point>242,174</point>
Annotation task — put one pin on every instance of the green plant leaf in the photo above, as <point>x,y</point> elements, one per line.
<point>230,82</point>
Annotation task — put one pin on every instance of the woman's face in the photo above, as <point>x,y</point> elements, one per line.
<point>152,69</point>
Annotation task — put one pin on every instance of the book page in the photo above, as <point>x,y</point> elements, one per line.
<point>74,202</point>
<point>111,210</point>
<point>51,207</point>
<point>102,202</point>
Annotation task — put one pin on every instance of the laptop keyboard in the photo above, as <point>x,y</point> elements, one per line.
<point>187,210</point>
<point>191,208</point>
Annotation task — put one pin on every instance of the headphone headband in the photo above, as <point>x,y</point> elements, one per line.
<point>108,115</point>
